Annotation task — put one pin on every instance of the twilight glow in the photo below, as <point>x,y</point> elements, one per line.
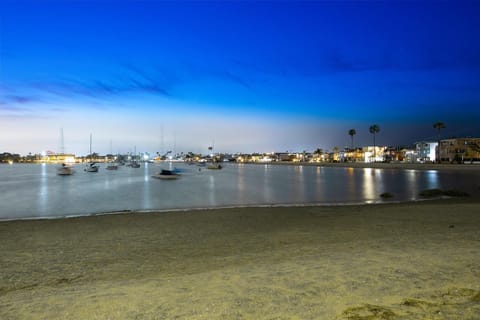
<point>245,76</point>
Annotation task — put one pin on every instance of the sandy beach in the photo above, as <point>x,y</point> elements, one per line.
<point>393,261</point>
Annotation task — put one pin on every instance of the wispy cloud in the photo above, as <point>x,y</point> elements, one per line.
<point>326,61</point>
<point>17,99</point>
<point>131,80</point>
<point>99,88</point>
<point>15,111</point>
<point>156,83</point>
<point>223,72</point>
<point>16,106</point>
<point>230,76</point>
<point>6,107</point>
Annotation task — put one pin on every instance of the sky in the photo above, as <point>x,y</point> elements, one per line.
<point>241,76</point>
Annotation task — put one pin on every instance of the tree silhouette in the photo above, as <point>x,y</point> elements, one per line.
<point>439,126</point>
<point>351,133</point>
<point>374,129</point>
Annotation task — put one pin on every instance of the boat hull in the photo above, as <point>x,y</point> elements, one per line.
<point>65,171</point>
<point>166,176</point>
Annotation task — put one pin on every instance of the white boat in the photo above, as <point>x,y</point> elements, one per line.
<point>65,170</point>
<point>166,175</point>
<point>112,166</point>
<point>91,167</point>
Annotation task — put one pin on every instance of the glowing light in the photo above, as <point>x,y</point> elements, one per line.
<point>69,159</point>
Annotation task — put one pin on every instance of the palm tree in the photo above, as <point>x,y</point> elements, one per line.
<point>352,132</point>
<point>318,152</point>
<point>374,129</point>
<point>439,126</point>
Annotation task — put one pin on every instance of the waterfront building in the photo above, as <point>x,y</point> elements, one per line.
<point>460,150</point>
<point>352,155</point>
<point>374,154</point>
<point>59,158</point>
<point>425,151</point>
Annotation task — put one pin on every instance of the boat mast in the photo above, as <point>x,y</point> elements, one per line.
<point>90,147</point>
<point>62,142</point>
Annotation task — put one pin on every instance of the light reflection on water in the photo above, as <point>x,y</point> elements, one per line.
<point>36,190</point>
<point>432,176</point>
<point>43,193</point>
<point>368,184</point>
<point>211,189</point>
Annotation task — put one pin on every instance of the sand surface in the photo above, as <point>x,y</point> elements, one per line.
<point>394,261</point>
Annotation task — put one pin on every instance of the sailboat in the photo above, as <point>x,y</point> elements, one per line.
<point>214,165</point>
<point>91,166</point>
<point>133,163</point>
<point>112,165</point>
<point>65,169</point>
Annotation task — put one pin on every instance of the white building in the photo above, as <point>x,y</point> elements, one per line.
<point>374,154</point>
<point>426,151</point>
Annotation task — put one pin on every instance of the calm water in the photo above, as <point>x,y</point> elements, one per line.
<point>37,191</point>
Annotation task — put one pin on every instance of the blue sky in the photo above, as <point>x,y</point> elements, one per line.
<point>246,76</point>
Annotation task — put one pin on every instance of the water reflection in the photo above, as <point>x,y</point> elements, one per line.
<point>299,182</point>
<point>211,189</point>
<point>267,188</point>
<point>241,187</point>
<point>43,192</point>
<point>432,179</point>
<point>412,182</point>
<point>146,188</point>
<point>351,182</point>
<point>369,184</point>
<point>318,180</point>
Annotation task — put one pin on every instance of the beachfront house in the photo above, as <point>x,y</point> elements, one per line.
<point>353,155</point>
<point>460,150</point>
<point>374,154</point>
<point>425,151</point>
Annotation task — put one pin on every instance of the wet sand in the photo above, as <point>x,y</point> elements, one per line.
<point>392,261</point>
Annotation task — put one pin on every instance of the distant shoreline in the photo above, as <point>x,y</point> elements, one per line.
<point>371,165</point>
<point>380,165</point>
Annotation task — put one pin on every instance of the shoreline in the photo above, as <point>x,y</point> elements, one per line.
<point>253,206</point>
<point>380,165</point>
<point>409,260</point>
<point>372,165</point>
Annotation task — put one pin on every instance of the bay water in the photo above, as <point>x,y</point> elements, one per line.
<point>36,191</point>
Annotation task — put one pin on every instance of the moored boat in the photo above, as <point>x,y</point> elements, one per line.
<point>133,164</point>
<point>166,175</point>
<point>112,166</point>
<point>65,170</point>
<point>91,167</point>
<point>214,166</point>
